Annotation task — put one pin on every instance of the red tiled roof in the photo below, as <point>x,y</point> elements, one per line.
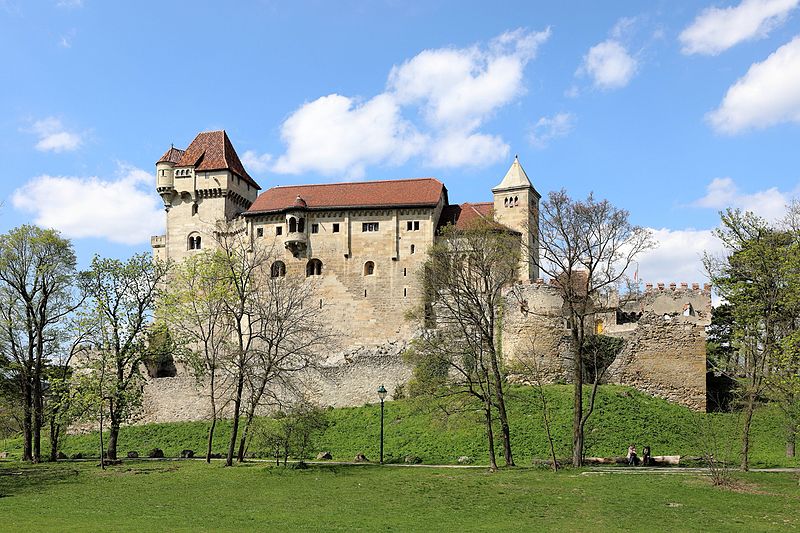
<point>462,216</point>
<point>212,150</point>
<point>388,193</point>
<point>173,155</point>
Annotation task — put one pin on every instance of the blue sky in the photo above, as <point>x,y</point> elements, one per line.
<point>672,110</point>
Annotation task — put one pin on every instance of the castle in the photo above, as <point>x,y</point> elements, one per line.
<point>364,243</point>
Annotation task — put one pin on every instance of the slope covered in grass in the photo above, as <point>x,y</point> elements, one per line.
<point>622,416</point>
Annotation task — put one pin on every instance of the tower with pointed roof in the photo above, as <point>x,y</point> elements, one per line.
<point>516,205</point>
<point>200,186</point>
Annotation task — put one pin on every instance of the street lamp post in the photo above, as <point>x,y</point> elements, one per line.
<point>382,396</point>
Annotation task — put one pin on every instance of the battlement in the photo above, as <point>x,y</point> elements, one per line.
<point>682,287</point>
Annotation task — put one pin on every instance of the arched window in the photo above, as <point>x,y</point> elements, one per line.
<point>292,225</point>
<point>413,249</point>
<point>278,269</point>
<point>194,209</point>
<point>301,225</point>
<point>516,200</point>
<point>369,268</point>
<point>314,268</point>
<point>194,242</point>
<point>505,202</point>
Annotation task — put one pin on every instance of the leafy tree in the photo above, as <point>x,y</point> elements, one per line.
<point>587,246</point>
<point>752,278</point>
<point>292,432</point>
<point>37,271</point>
<point>465,276</point>
<point>122,296</point>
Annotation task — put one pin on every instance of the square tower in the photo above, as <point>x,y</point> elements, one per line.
<point>516,205</point>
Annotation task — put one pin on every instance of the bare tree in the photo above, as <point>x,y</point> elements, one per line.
<point>466,275</point>
<point>586,246</point>
<point>290,341</point>
<point>194,307</point>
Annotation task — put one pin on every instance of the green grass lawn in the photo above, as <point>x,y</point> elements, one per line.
<point>194,496</point>
<point>623,415</point>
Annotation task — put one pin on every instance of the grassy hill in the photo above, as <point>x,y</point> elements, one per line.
<point>622,416</point>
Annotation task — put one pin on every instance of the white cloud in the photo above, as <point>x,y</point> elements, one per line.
<point>69,3</point>
<point>53,137</point>
<point>770,203</point>
<point>717,29</point>
<point>768,94</point>
<point>459,149</point>
<point>452,91</point>
<point>122,209</point>
<point>609,65</point>
<point>335,134</point>
<point>254,162</point>
<point>549,128</point>
<point>678,256</point>
<point>66,40</point>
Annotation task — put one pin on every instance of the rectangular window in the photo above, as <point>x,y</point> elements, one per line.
<point>412,225</point>
<point>259,232</point>
<point>335,227</point>
<point>314,228</point>
<point>278,230</point>
<point>409,225</point>
<point>369,226</point>
<point>416,225</point>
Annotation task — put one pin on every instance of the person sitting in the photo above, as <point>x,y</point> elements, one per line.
<point>633,460</point>
<point>646,456</point>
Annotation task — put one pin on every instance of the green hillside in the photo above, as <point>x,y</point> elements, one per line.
<point>622,416</point>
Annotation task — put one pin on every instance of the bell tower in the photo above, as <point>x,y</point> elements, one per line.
<point>516,205</point>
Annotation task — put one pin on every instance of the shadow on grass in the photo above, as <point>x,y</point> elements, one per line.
<point>18,478</point>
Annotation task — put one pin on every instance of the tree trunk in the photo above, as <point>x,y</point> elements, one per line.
<point>791,439</point>
<point>748,420</point>
<point>577,406</point>
<point>243,440</point>
<point>38,419</point>
<point>501,410</point>
<point>113,434</point>
<point>490,433</point>
<point>102,459</point>
<point>237,406</point>
<point>55,433</point>
<point>27,422</point>
<point>211,436</point>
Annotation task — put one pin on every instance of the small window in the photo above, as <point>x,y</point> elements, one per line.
<point>369,268</point>
<point>314,268</point>
<point>412,225</point>
<point>405,292</point>
<point>413,249</point>
<point>194,209</point>
<point>195,242</point>
<point>259,232</point>
<point>301,225</point>
<point>409,225</point>
<point>369,226</point>
<point>404,272</point>
<point>314,228</point>
<point>516,200</point>
<point>505,202</point>
<point>292,225</point>
<point>335,227</point>
<point>278,269</point>
<point>278,230</point>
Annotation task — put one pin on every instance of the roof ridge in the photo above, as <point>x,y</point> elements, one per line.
<point>340,183</point>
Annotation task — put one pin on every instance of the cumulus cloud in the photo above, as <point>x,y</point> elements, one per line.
<point>609,64</point>
<point>335,134</point>
<point>82,207</point>
<point>549,128</point>
<point>54,137</point>
<point>716,29</point>
<point>678,256</point>
<point>768,94</point>
<point>433,107</point>
<point>255,162</point>
<point>770,203</point>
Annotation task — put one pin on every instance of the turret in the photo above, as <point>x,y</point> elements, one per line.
<point>165,175</point>
<point>296,238</point>
<point>516,205</point>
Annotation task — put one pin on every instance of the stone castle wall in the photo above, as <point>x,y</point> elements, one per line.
<point>664,354</point>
